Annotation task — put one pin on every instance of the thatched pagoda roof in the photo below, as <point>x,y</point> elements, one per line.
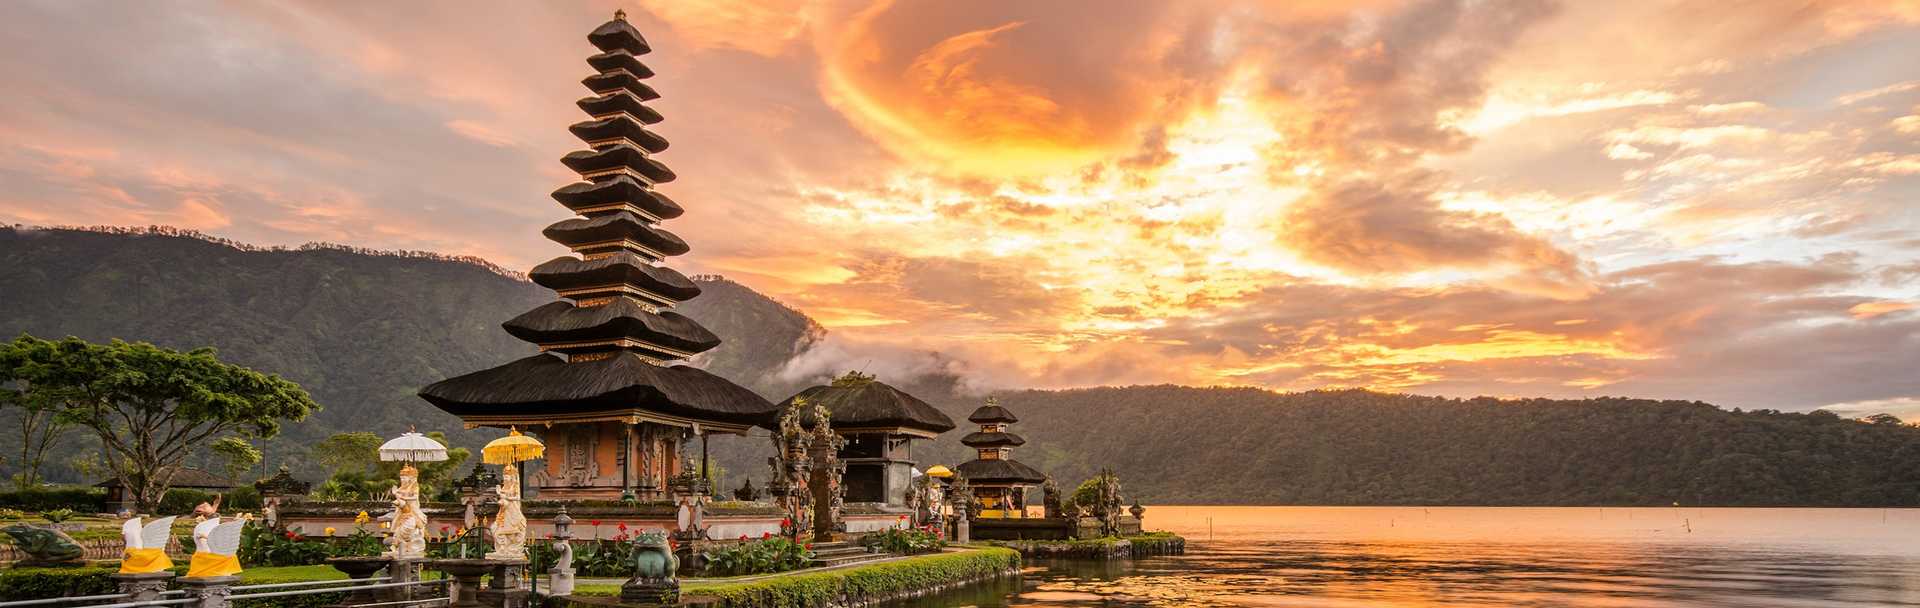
<point>615,157</point>
<point>562,322</point>
<point>549,386</point>
<point>1002,471</point>
<point>615,190</point>
<point>619,35</point>
<point>614,227</point>
<point>870,405</point>
<point>620,80</point>
<point>619,101</point>
<point>992,413</point>
<point>617,127</point>
<point>565,273</point>
<point>620,59</point>
<point>992,439</point>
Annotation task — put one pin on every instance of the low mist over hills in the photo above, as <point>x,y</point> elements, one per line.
<point>363,330</point>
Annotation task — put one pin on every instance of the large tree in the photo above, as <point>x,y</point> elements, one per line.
<point>152,407</point>
<point>36,418</point>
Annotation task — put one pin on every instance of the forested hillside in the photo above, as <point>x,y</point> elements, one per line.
<point>363,330</point>
<point>1238,445</point>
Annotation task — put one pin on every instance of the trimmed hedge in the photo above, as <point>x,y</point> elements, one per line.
<point>34,500</point>
<point>41,583</point>
<point>860,584</point>
<point>18,584</point>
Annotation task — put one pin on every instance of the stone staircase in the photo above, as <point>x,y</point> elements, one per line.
<point>840,553</point>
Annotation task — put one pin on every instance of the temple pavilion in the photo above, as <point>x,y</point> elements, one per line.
<point>879,423</point>
<point>605,393</point>
<point>999,482</point>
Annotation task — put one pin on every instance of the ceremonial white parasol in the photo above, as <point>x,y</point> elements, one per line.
<point>413,447</point>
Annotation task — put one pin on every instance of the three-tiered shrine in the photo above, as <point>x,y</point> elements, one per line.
<point>604,394</point>
<point>999,482</point>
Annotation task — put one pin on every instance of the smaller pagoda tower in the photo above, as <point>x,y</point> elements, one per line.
<point>999,482</point>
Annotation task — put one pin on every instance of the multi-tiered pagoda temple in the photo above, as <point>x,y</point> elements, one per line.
<point>605,395</point>
<point>999,482</point>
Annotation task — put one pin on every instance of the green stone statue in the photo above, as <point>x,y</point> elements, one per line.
<point>45,547</point>
<point>654,570</point>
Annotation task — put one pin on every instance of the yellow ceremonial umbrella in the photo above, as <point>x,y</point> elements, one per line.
<point>940,471</point>
<point>512,448</point>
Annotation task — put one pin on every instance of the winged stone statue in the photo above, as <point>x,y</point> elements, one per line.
<point>146,545</point>
<point>216,546</point>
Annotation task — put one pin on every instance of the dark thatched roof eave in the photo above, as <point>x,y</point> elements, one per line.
<point>619,101</point>
<point>991,414</point>
<point>619,35</point>
<point>618,189</point>
<point>998,471</point>
<point>621,318</point>
<point>619,80</point>
<point>616,127</point>
<point>981,439</point>
<point>616,156</point>
<point>545,384</point>
<point>613,227</point>
<point>623,267</point>
<point>620,59</point>
<point>871,405</point>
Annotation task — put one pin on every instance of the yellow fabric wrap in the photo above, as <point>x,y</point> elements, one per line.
<point>209,564</point>
<point>145,561</point>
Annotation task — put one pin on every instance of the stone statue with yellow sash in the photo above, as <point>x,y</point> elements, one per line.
<point>216,544</point>
<point>146,545</point>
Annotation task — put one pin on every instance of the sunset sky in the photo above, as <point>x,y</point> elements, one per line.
<point>1679,199</point>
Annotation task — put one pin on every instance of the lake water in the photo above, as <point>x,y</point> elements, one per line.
<point>1469,556</point>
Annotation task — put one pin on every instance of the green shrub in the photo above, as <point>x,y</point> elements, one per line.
<point>12,514</point>
<point>18,584</point>
<point>867,583</point>
<point>57,515</point>
<point>181,501</point>
<point>78,498</point>
<point>903,541</point>
<point>764,556</point>
<point>243,498</point>
<point>260,546</point>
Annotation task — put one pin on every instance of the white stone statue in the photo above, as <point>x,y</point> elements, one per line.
<point>509,525</point>
<point>409,522</point>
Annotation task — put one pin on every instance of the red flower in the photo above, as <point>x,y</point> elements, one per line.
<point>622,526</point>
<point>743,537</point>
<point>808,546</point>
<point>291,535</point>
<point>785,522</point>
<point>593,522</point>
<point>763,535</point>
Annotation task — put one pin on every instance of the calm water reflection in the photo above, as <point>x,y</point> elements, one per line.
<point>1300,556</point>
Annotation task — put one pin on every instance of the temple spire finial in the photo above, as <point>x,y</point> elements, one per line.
<point>619,14</point>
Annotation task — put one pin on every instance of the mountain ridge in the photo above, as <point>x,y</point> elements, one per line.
<point>363,330</point>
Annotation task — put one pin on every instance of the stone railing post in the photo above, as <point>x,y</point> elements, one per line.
<point>209,591</point>
<point>142,587</point>
<point>403,570</point>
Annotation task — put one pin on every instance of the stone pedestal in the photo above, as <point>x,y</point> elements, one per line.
<point>560,581</point>
<point>359,568</point>
<point>651,591</point>
<point>466,575</point>
<point>144,586</point>
<point>209,591</point>
<point>504,589</point>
